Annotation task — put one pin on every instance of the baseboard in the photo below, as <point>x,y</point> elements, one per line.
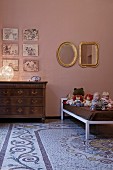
<point>57,117</point>
<point>26,120</point>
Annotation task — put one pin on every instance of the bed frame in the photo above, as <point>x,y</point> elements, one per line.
<point>87,122</point>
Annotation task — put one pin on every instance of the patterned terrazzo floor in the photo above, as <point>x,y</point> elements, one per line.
<point>53,145</point>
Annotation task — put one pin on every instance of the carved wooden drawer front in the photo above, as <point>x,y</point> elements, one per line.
<point>21,92</point>
<point>16,110</point>
<point>5,101</point>
<point>22,99</point>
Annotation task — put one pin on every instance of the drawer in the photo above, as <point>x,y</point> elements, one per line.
<point>22,85</point>
<point>21,92</point>
<point>27,101</point>
<point>5,101</point>
<point>38,111</point>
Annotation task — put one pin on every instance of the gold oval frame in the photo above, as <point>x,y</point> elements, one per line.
<point>80,54</point>
<point>75,54</point>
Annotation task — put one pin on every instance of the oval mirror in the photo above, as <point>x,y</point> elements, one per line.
<point>89,54</point>
<point>67,54</point>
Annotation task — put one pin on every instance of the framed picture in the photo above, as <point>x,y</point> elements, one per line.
<point>30,50</point>
<point>10,49</point>
<point>31,65</point>
<point>10,34</point>
<point>14,63</point>
<point>30,34</point>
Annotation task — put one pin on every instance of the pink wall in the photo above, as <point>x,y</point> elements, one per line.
<point>59,21</point>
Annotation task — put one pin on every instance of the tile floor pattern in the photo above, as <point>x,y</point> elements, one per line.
<point>54,145</point>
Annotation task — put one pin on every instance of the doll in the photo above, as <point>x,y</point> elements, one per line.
<point>88,100</point>
<point>96,102</point>
<point>107,102</point>
<point>78,100</point>
<point>70,99</point>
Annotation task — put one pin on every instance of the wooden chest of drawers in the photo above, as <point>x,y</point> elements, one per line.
<point>22,99</point>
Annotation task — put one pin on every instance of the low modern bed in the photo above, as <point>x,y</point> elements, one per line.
<point>85,115</point>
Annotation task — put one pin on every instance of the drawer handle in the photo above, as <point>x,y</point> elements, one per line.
<point>6,101</point>
<point>5,92</point>
<point>19,100</point>
<point>34,92</point>
<point>20,91</point>
<point>19,110</point>
<point>33,110</point>
<point>6,110</point>
<point>34,101</point>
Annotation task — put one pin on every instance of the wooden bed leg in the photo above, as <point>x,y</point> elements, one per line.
<point>87,130</point>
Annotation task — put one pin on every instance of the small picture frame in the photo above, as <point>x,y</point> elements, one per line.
<point>31,65</point>
<point>14,63</point>
<point>10,49</point>
<point>30,35</point>
<point>30,50</point>
<point>10,34</point>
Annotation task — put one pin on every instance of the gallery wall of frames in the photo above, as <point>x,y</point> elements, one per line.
<point>30,49</point>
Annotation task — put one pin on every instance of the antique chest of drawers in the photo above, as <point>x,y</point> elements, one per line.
<point>22,99</point>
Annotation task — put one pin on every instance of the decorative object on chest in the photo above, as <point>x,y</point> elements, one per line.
<point>22,99</point>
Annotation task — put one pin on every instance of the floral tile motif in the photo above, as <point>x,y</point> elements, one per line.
<point>55,145</point>
<point>23,151</point>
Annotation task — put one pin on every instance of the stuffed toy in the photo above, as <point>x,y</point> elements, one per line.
<point>88,99</point>
<point>78,100</point>
<point>96,103</point>
<point>70,99</point>
<point>79,91</point>
<point>107,102</point>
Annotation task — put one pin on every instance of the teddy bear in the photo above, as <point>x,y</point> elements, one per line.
<point>78,91</point>
<point>88,99</point>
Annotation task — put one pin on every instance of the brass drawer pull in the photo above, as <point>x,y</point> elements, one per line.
<point>34,101</point>
<point>6,110</point>
<point>34,92</point>
<point>19,110</point>
<point>5,92</point>
<point>19,100</point>
<point>34,110</point>
<point>20,91</point>
<point>6,101</point>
